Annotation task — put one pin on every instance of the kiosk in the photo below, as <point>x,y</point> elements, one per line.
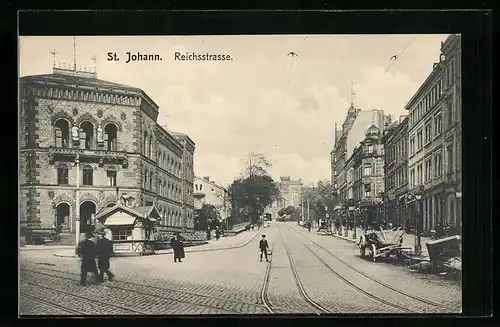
<point>130,228</point>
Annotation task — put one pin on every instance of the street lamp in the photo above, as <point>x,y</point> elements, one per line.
<point>418,246</point>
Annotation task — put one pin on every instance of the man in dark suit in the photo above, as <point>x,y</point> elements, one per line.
<point>104,249</point>
<point>86,252</point>
<point>263,246</point>
<point>177,243</point>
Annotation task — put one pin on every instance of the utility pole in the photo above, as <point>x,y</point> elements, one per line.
<point>308,213</point>
<point>302,207</point>
<point>74,53</point>
<point>77,216</point>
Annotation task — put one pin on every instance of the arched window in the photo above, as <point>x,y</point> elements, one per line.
<point>62,175</point>
<point>62,133</point>
<point>88,129</point>
<point>88,173</point>
<point>111,137</point>
<point>145,144</point>
<point>111,174</point>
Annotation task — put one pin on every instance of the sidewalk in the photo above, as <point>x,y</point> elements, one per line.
<point>223,243</point>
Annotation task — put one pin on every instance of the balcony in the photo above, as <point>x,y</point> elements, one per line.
<point>88,155</point>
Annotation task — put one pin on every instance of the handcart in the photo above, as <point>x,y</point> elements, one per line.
<point>382,243</point>
<point>325,228</point>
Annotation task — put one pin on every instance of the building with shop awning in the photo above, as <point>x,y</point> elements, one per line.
<point>130,229</point>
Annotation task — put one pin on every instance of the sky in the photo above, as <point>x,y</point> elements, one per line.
<point>262,100</point>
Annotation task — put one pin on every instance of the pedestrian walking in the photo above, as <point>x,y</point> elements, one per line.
<point>217,234</point>
<point>263,247</point>
<point>87,254</point>
<point>177,243</point>
<point>104,249</point>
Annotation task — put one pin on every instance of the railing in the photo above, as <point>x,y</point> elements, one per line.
<point>87,152</point>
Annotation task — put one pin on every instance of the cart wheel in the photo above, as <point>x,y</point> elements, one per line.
<point>373,252</point>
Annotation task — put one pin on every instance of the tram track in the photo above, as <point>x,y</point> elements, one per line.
<point>194,302</point>
<point>371,278</point>
<point>320,309</point>
<point>49,304</point>
<point>93,301</point>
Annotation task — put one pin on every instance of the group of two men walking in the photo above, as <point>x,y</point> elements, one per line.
<point>88,251</point>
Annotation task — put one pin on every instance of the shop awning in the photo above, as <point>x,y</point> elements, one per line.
<point>120,219</point>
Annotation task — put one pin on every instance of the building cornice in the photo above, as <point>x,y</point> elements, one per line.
<point>426,85</point>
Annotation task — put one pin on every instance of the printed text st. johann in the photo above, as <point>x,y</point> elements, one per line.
<point>141,57</point>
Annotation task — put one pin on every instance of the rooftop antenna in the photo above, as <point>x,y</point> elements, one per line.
<point>74,53</point>
<point>352,94</point>
<point>94,59</point>
<point>53,53</point>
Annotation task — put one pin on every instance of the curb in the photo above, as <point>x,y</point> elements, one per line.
<point>62,247</point>
<point>187,250</point>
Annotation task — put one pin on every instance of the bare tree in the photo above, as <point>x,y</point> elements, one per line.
<point>256,164</point>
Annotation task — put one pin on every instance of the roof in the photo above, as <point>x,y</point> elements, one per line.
<point>181,135</point>
<point>142,212</point>
<point>68,77</point>
<point>61,78</point>
<point>209,182</point>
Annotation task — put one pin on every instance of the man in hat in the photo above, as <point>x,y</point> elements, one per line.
<point>104,249</point>
<point>86,252</point>
<point>263,246</point>
<point>177,243</point>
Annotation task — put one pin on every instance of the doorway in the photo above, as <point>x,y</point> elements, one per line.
<point>87,209</point>
<point>62,217</point>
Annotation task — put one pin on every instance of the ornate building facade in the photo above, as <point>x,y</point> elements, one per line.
<point>355,125</point>
<point>99,140</point>
<point>434,128</point>
<point>365,185</point>
<point>395,141</point>
<point>290,195</point>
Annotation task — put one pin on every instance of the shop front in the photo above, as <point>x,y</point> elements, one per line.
<point>130,229</point>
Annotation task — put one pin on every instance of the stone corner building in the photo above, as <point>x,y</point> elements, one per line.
<point>123,153</point>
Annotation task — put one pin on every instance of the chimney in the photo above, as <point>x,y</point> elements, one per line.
<point>207,178</point>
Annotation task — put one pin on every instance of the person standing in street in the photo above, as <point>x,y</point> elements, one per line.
<point>87,254</point>
<point>104,249</point>
<point>177,243</point>
<point>263,246</point>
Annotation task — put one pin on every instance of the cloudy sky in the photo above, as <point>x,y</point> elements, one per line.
<point>263,100</point>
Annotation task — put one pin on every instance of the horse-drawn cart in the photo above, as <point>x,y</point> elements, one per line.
<point>382,243</point>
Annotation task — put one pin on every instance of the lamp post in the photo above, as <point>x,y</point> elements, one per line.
<point>418,246</point>
<point>458,215</point>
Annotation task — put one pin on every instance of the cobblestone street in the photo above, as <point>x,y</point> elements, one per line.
<point>308,273</point>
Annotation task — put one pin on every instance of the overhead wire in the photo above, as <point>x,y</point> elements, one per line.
<point>397,56</point>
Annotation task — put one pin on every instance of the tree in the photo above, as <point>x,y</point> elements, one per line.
<point>254,190</point>
<point>256,165</point>
<point>322,199</point>
<point>207,216</point>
